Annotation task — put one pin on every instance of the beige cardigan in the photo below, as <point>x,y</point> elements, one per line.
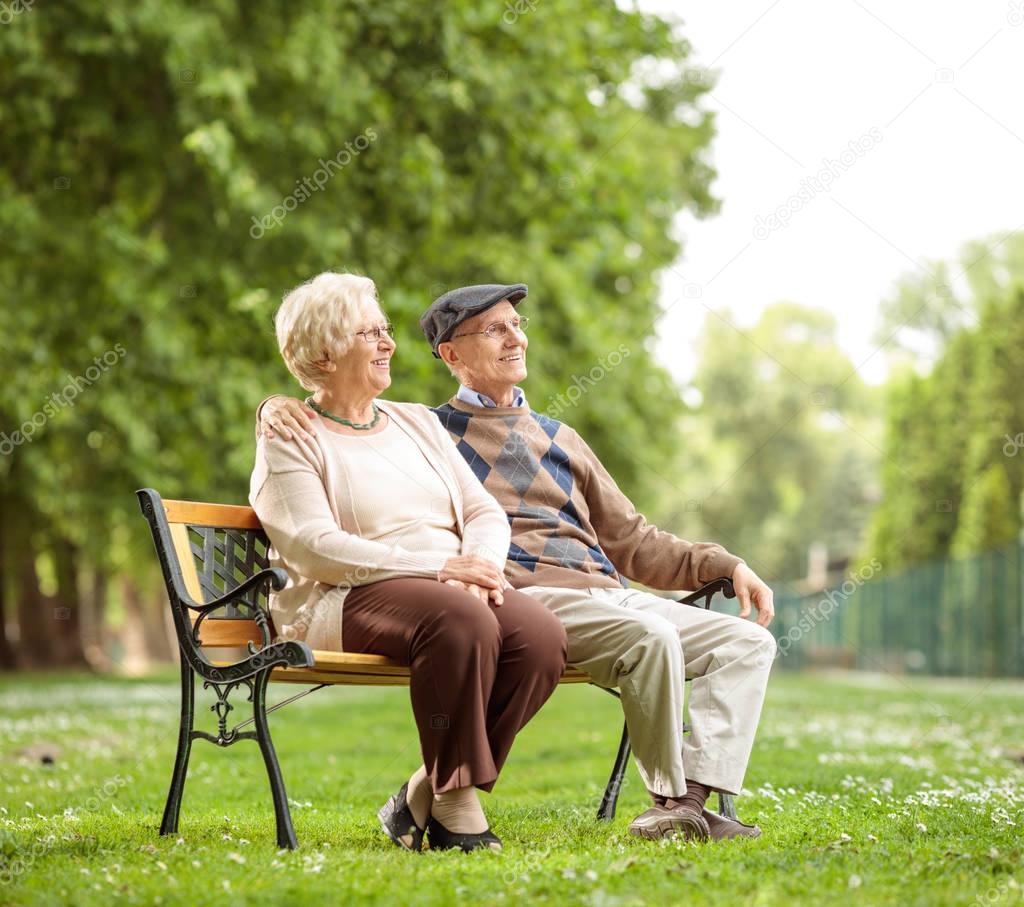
<point>294,490</point>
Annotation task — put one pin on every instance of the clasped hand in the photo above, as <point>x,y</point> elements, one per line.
<point>477,575</point>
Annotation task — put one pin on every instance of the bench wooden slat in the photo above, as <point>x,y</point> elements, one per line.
<point>223,516</point>
<point>312,675</point>
<point>228,632</point>
<point>358,668</point>
<point>187,562</point>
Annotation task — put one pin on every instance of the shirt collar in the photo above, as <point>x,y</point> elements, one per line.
<point>475,398</point>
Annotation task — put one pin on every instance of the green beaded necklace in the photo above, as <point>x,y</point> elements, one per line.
<point>365,426</point>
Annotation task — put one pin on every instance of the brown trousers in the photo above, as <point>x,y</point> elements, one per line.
<point>478,673</point>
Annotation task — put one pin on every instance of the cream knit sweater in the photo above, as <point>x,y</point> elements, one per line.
<point>304,494</point>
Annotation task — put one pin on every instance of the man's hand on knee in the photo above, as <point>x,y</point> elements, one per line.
<point>750,588</point>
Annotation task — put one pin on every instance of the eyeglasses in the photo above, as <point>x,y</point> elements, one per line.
<point>373,335</point>
<point>499,330</point>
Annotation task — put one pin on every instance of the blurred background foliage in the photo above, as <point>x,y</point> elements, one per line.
<point>141,144</point>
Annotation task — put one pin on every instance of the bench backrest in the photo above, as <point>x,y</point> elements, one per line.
<point>213,548</point>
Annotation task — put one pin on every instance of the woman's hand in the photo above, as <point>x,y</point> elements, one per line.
<point>286,415</point>
<point>487,596</point>
<point>477,575</point>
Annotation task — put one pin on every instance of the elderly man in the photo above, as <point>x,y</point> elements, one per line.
<point>575,535</point>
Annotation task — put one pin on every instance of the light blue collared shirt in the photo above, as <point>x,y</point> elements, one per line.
<point>475,398</point>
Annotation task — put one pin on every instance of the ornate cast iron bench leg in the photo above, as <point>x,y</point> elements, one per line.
<point>225,738</point>
<point>727,806</point>
<point>606,812</point>
<point>169,824</point>
<point>610,800</point>
<point>285,829</point>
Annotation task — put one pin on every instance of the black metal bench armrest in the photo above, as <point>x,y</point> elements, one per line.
<point>277,578</point>
<point>707,592</point>
<point>291,653</point>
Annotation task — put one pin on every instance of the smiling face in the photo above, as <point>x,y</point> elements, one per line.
<point>366,367</point>
<point>491,366</point>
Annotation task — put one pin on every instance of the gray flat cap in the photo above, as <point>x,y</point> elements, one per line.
<point>447,312</point>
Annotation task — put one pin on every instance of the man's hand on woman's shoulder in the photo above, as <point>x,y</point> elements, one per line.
<point>286,416</point>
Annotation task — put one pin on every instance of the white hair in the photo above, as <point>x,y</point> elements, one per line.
<point>317,320</point>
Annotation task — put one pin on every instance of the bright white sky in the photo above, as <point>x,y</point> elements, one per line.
<point>797,81</point>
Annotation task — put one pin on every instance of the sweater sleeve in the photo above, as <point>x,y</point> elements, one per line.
<point>638,549</point>
<point>485,530</point>
<point>288,495</point>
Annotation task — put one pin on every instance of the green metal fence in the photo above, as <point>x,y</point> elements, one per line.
<point>958,617</point>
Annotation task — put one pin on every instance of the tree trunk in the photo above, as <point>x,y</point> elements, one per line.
<point>35,630</point>
<point>7,659</point>
<point>149,623</point>
<point>67,607</point>
<point>95,641</point>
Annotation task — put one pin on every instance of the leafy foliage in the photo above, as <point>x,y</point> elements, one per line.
<point>783,450</point>
<point>954,474</point>
<point>168,170</point>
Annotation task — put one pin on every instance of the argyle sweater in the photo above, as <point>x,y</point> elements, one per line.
<point>571,525</point>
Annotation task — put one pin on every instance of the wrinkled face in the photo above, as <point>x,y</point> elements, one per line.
<point>485,361</point>
<point>366,366</point>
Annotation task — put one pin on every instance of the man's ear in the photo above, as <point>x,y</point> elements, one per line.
<point>448,355</point>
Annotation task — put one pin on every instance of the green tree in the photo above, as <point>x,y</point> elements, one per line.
<point>168,170</point>
<point>954,478</point>
<point>781,448</point>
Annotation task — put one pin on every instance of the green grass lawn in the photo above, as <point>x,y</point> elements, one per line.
<point>869,790</point>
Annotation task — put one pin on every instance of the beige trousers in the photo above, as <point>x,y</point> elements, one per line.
<point>648,646</point>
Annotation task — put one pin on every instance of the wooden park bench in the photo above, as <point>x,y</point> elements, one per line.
<point>215,565</point>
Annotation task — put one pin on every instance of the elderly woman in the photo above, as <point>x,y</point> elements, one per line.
<point>394,548</point>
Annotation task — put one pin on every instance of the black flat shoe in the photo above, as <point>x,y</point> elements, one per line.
<point>397,821</point>
<point>442,839</point>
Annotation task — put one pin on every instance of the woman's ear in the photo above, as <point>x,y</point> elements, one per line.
<point>325,364</point>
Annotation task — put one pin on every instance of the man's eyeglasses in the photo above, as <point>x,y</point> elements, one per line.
<point>499,330</point>
<point>373,335</point>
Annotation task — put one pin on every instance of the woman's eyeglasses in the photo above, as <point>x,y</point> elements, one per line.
<point>373,335</point>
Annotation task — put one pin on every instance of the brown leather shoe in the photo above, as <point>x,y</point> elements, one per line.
<point>721,828</point>
<point>662,822</point>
